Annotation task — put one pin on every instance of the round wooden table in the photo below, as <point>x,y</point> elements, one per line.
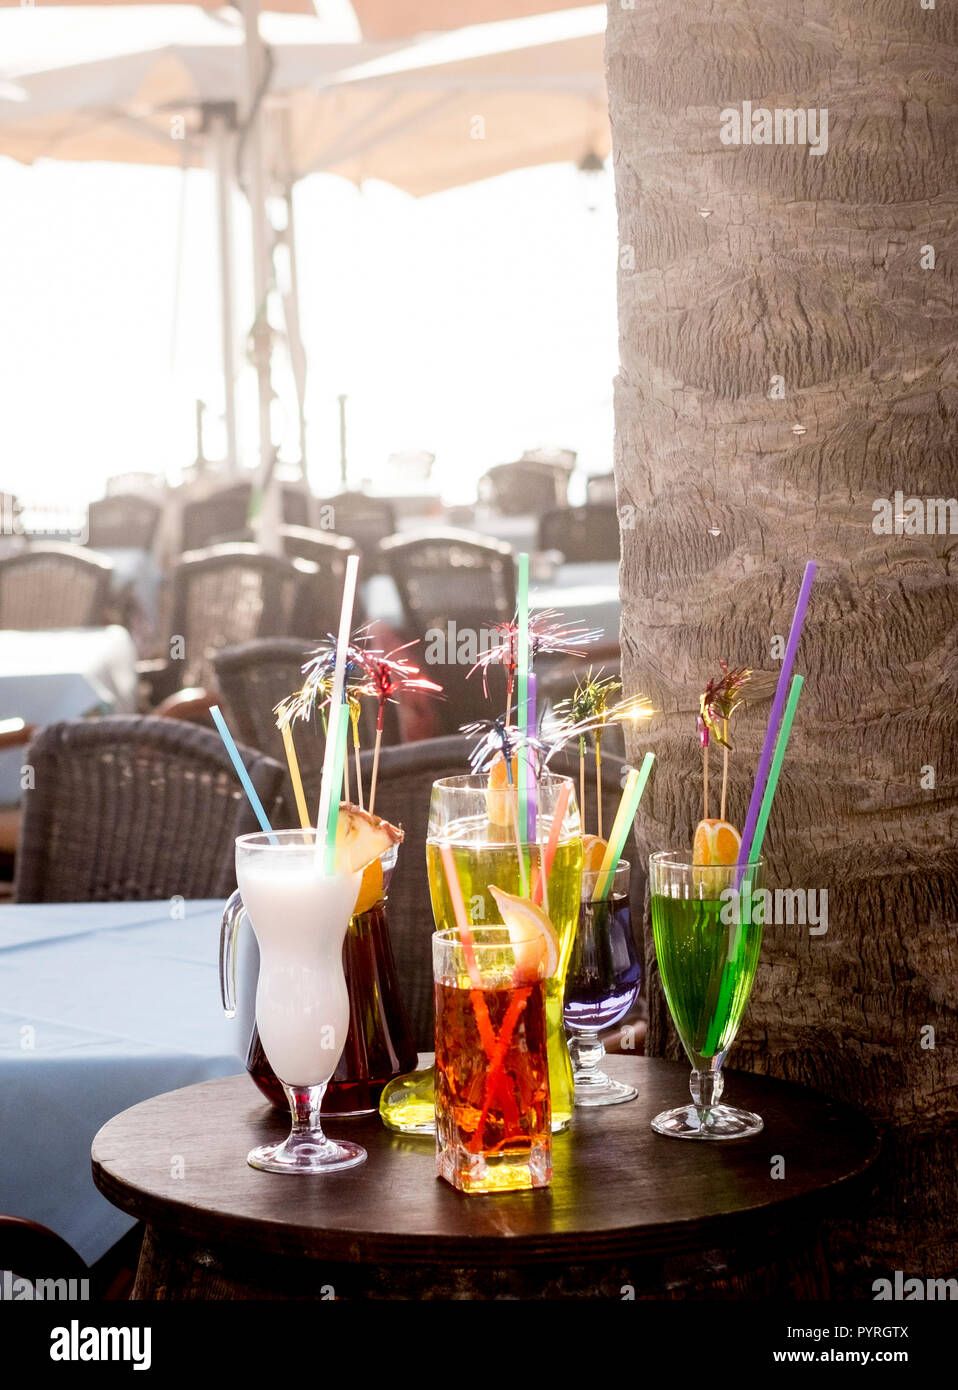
<point>629,1213</point>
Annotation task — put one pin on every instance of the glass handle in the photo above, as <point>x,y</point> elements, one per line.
<point>232,915</point>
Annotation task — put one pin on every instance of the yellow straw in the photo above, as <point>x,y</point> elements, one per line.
<point>624,816</point>
<point>295,778</point>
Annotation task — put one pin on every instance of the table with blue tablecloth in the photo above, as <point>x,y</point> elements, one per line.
<point>102,1005</point>
<point>61,673</point>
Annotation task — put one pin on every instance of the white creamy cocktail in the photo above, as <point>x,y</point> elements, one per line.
<point>300,915</point>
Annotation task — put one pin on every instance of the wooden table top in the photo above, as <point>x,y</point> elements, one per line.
<point>179,1160</point>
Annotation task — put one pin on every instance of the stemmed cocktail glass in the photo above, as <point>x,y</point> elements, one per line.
<point>707,947</point>
<point>299,917</point>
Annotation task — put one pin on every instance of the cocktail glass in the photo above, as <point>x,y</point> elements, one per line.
<point>602,985</point>
<point>478,824</point>
<point>493,1130</point>
<point>707,948</point>
<point>300,919</point>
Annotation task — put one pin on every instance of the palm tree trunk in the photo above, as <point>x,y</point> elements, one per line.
<point>787,360</point>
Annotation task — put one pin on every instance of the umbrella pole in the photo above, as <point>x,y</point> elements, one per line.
<point>268,517</point>
<point>222,154</point>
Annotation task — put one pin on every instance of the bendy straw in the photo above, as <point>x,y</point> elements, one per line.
<point>241,772</point>
<point>774,718</point>
<point>329,788</point>
<point>294,776</point>
<point>624,816</point>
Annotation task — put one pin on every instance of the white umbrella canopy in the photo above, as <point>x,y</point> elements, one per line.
<point>80,84</point>
<point>450,109</point>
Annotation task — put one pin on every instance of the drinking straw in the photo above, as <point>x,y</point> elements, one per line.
<point>624,816</point>
<point>558,817</point>
<point>522,695</point>
<point>744,914</point>
<point>241,772</point>
<point>483,1021</point>
<point>777,760</point>
<point>529,729</point>
<point>774,718</point>
<point>339,763</point>
<point>328,802</point>
<point>294,775</point>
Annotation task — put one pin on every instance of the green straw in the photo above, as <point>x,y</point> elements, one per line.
<point>720,1012</point>
<point>777,759</point>
<point>338,730</point>
<point>624,816</point>
<point>522,697</point>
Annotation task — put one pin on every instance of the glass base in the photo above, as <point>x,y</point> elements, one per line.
<point>477,1174</point>
<point>306,1154</point>
<point>717,1122</point>
<point>595,1088</point>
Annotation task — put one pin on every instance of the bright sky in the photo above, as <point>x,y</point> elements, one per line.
<point>474,323</point>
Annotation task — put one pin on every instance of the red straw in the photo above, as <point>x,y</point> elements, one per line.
<point>562,802</point>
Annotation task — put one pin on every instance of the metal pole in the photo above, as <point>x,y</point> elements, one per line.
<point>222,143</point>
<point>342,438</point>
<point>268,520</point>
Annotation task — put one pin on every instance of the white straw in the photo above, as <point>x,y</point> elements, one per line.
<point>335,706</point>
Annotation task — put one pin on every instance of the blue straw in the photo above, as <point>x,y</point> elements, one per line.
<point>241,772</point>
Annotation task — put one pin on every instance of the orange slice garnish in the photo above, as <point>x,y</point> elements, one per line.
<point>593,852</point>
<point>371,888</point>
<point>500,796</point>
<point>533,937</point>
<point>716,842</point>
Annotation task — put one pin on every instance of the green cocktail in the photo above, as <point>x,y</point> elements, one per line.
<point>707,947</point>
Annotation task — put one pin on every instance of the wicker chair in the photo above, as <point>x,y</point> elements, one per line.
<point>51,586</point>
<point>35,1252</point>
<point>367,520</point>
<point>581,533</point>
<point>224,595</point>
<point>320,599</point>
<point>253,677</point>
<point>124,520</point>
<point>406,775</point>
<point>135,809</point>
<point>452,577</point>
<point>224,515</point>
<point>600,488</point>
<point>516,489</point>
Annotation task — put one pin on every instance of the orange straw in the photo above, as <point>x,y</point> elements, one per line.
<point>483,1022</point>
<point>562,802</point>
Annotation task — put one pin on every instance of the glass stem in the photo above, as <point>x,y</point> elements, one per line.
<point>706,1088</point>
<point>587,1051</point>
<point>305,1103</point>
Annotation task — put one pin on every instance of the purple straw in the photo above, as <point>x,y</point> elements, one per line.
<point>529,730</point>
<point>774,719</point>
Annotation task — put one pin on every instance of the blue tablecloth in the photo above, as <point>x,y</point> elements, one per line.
<point>62,673</point>
<point>101,1006</point>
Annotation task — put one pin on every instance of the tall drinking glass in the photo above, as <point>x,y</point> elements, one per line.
<point>492,1074</point>
<point>299,918</point>
<point>478,822</point>
<point>707,948</point>
<point>602,985</point>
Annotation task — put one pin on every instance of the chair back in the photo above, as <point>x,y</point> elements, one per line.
<point>223,516</point>
<point>515,489</point>
<point>600,488</point>
<point>34,1252</point>
<point>454,586</point>
<point>582,534</point>
<point>320,598</point>
<point>132,809</point>
<point>229,594</point>
<point>125,520</point>
<point>367,520</point>
<point>53,586</point>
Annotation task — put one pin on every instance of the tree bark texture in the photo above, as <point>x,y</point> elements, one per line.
<point>739,264</point>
